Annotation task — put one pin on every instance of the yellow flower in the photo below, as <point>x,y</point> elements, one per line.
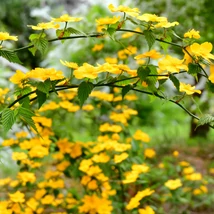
<point>18,77</point>
<point>211,76</point>
<point>139,135</point>
<point>188,170</point>
<point>140,168</point>
<point>111,60</point>
<point>106,127</point>
<point>147,17</point>
<point>85,165</point>
<point>85,179</point>
<point>153,54</point>
<point>63,165</point>
<point>121,157</point>
<point>44,121</point>
<point>172,64</point>
<point>32,203</point>
<point>130,11</point>
<point>166,24</point>
<point>188,89</point>
<point>39,193</point>
<point>192,34</point>
<point>93,170</point>
<point>135,201</point>
<point>76,150</point>
<point>107,20</point>
<point>17,197</point>
<point>98,47</point>
<point>86,71</point>
<point>194,176</point>
<point>44,26</point>
<point>66,18</point>
<point>101,158</point>
<point>38,151</point>
<point>130,177</point>
<point>92,185</point>
<point>25,177</point>
<point>173,184</point>
<point>130,34</point>
<point>175,153</point>
<point>88,107</point>
<point>48,199</point>
<point>6,36</point>
<point>69,64</point>
<point>147,210</point>
<point>149,153</point>
<point>19,156</point>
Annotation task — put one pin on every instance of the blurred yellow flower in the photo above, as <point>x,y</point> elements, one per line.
<point>25,177</point>
<point>130,11</point>
<point>101,158</point>
<point>147,17</point>
<point>19,156</point>
<point>66,18</point>
<point>38,151</point>
<point>194,176</point>
<point>63,165</point>
<point>32,203</point>
<point>147,210</point>
<point>18,77</point>
<point>69,64</point>
<point>98,47</point>
<point>192,34</point>
<point>107,20</point>
<point>48,199</point>
<point>153,54</point>
<point>111,60</point>
<point>17,197</point>
<point>149,153</point>
<point>188,89</point>
<point>173,184</point>
<point>172,64</point>
<point>107,127</point>
<point>139,135</point>
<point>166,24</point>
<point>121,157</point>
<point>44,26</point>
<point>76,150</point>
<point>6,36</point>
<point>86,71</point>
<point>92,185</point>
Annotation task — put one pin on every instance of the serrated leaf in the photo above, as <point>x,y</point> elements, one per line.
<point>150,38</point>
<point>25,102</point>
<point>84,90</point>
<point>151,80</point>
<point>8,119</point>
<point>23,91</point>
<point>125,90</point>
<point>193,68</point>
<point>143,72</point>
<point>41,44</point>
<point>26,115</point>
<point>44,86</point>
<point>10,56</point>
<point>41,97</point>
<point>175,81</point>
<point>206,119</point>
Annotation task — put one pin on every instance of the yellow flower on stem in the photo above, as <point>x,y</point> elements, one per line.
<point>44,26</point>
<point>166,24</point>
<point>18,77</point>
<point>69,64</point>
<point>130,11</point>
<point>86,71</point>
<point>173,184</point>
<point>172,64</point>
<point>139,135</point>
<point>147,17</point>
<point>6,36</point>
<point>17,197</point>
<point>149,153</point>
<point>66,18</point>
<point>25,177</point>
<point>153,54</point>
<point>19,156</point>
<point>107,20</point>
<point>188,89</point>
<point>192,34</point>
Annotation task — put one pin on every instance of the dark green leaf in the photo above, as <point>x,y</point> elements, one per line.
<point>143,72</point>
<point>175,81</point>
<point>41,97</point>
<point>8,119</point>
<point>23,91</point>
<point>25,102</point>
<point>193,68</point>
<point>110,31</point>
<point>41,44</point>
<point>26,115</point>
<point>84,90</point>
<point>150,38</point>
<point>151,80</point>
<point>10,56</point>
<point>210,86</point>
<point>125,90</point>
<point>206,119</point>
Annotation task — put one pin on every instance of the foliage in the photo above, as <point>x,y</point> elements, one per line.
<point>116,170</point>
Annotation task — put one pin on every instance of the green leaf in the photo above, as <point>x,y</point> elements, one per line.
<point>165,45</point>
<point>175,81</point>
<point>25,102</point>
<point>41,44</point>
<point>41,97</point>
<point>206,119</point>
<point>151,80</point>
<point>210,86</point>
<point>193,68</point>
<point>26,115</point>
<point>125,90</point>
<point>84,90</point>
<point>44,86</point>
<point>22,91</point>
<point>8,119</point>
<point>143,72</point>
<point>150,38</point>
<point>110,32</point>
<point>10,56</point>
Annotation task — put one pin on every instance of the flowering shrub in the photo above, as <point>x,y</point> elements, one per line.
<point>116,171</point>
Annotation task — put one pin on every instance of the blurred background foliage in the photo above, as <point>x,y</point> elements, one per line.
<point>162,120</point>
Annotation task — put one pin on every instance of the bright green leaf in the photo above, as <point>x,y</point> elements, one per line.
<point>193,68</point>
<point>175,81</point>
<point>206,119</point>
<point>44,86</point>
<point>41,44</point>
<point>41,97</point>
<point>125,90</point>
<point>10,56</point>
<point>150,38</point>
<point>84,90</point>
<point>143,72</point>
<point>8,119</point>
